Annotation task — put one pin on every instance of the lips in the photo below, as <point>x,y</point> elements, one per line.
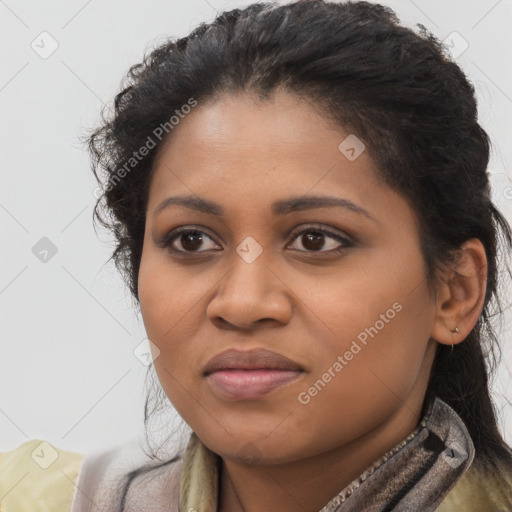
<point>257,359</point>
<point>249,375</point>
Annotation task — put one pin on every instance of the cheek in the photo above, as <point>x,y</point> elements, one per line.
<point>371,347</point>
<point>170,303</point>
<point>168,297</point>
<point>347,397</point>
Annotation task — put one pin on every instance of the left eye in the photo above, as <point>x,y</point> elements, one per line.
<point>314,239</point>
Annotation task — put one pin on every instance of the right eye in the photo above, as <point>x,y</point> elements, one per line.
<point>190,240</point>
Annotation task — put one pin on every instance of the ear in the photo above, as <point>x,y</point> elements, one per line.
<point>460,294</point>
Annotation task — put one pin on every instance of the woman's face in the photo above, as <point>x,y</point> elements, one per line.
<point>338,289</point>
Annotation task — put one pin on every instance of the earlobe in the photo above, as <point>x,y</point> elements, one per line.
<point>461,294</point>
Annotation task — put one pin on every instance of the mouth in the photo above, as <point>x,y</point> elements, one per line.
<point>249,375</point>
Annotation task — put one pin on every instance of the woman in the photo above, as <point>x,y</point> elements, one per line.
<point>302,212</point>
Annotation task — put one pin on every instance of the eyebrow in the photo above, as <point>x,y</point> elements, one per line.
<point>281,207</point>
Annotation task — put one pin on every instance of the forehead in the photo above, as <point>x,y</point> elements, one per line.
<point>240,143</point>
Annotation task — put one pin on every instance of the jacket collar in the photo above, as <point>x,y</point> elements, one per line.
<point>416,474</point>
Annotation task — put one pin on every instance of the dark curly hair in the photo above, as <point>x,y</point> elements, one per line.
<point>396,88</point>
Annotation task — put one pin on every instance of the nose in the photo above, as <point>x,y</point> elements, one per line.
<point>248,295</point>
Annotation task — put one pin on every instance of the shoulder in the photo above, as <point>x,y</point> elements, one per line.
<point>37,476</point>
<point>125,478</point>
<point>480,489</point>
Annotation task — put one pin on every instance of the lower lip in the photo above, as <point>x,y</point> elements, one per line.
<point>249,384</point>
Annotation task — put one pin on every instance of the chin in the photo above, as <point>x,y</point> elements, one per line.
<point>257,448</point>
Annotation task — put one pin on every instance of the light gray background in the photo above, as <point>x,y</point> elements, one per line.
<point>68,374</point>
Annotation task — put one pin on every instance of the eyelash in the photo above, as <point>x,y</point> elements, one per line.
<point>174,234</point>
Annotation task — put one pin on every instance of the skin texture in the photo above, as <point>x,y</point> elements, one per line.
<point>299,298</point>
